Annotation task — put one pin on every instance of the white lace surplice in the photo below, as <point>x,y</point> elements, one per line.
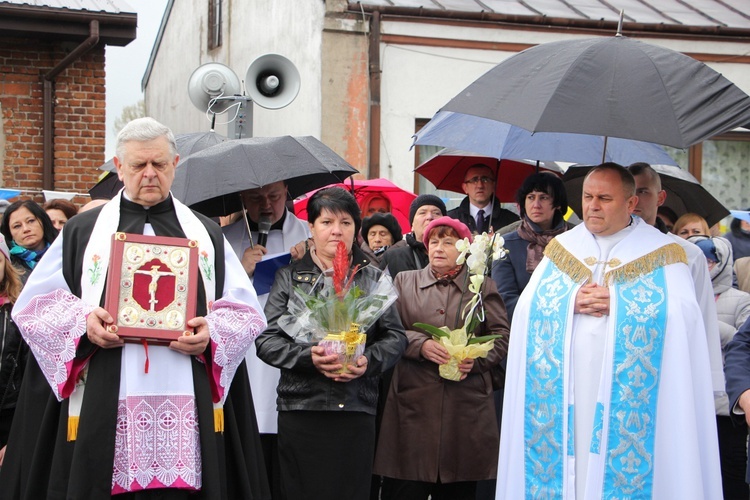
<point>157,438</point>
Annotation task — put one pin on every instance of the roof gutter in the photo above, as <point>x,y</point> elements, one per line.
<point>48,122</point>
<point>722,32</point>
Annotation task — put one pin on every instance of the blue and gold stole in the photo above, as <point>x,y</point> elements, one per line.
<point>626,429</point>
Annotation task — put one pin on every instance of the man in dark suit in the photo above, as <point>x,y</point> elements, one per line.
<point>480,210</point>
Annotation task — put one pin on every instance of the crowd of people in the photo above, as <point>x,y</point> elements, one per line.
<point>618,363</point>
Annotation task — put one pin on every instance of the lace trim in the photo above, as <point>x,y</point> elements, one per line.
<point>157,444</point>
<point>52,325</point>
<point>233,328</point>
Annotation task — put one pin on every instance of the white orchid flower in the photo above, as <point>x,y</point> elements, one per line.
<point>463,247</point>
<point>475,283</point>
<point>477,263</point>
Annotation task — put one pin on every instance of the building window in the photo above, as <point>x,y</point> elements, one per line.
<point>214,24</point>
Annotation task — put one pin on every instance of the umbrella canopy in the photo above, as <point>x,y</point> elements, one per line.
<point>684,192</point>
<point>741,215</point>
<point>400,198</point>
<point>447,170</point>
<point>613,86</point>
<point>210,181</point>
<point>187,144</point>
<point>502,140</point>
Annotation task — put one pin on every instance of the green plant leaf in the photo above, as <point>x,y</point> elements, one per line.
<point>432,330</point>
<point>479,340</point>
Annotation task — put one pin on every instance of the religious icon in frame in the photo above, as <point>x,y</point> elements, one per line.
<point>151,287</point>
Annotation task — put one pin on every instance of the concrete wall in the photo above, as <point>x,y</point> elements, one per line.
<point>345,89</point>
<point>329,46</point>
<point>250,29</point>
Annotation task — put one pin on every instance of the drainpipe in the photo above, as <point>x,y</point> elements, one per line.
<point>374,56</point>
<point>48,125</point>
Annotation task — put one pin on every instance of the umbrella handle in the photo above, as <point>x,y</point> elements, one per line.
<point>247,224</point>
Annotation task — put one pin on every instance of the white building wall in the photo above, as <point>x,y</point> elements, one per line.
<point>251,29</point>
<point>418,80</point>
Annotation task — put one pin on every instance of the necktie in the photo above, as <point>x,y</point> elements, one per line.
<point>480,222</point>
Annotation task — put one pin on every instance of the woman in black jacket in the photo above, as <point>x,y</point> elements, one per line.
<point>326,418</point>
<point>13,349</point>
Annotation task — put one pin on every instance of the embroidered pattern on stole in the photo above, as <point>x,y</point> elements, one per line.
<point>545,408</point>
<point>630,422</point>
<point>639,344</point>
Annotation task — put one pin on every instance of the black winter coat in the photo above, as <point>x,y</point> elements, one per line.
<point>13,354</point>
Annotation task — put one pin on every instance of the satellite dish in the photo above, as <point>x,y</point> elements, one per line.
<point>212,80</point>
<point>272,81</point>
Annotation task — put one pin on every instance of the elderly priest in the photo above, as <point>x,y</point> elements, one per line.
<point>98,416</point>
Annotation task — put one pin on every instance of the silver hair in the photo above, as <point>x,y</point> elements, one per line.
<point>143,130</point>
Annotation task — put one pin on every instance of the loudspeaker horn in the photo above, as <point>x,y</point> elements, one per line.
<point>212,80</point>
<point>272,81</point>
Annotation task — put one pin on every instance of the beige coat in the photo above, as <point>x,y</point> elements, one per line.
<point>433,427</point>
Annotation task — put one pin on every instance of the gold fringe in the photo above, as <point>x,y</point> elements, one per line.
<point>218,419</point>
<point>72,427</point>
<point>668,254</point>
<point>566,262</point>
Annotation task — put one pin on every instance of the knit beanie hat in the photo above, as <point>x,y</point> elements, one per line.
<point>425,199</point>
<point>388,221</point>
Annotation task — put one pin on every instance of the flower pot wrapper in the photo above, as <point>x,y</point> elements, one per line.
<point>347,345</point>
<point>339,308</point>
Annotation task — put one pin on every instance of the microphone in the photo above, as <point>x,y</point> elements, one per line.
<point>264,227</point>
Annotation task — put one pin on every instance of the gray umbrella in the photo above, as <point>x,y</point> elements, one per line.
<point>613,86</point>
<point>210,181</point>
<point>684,192</point>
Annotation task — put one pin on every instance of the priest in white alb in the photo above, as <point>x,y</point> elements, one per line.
<point>99,417</point>
<point>608,388</point>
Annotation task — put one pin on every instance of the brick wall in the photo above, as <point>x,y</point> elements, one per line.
<point>79,97</point>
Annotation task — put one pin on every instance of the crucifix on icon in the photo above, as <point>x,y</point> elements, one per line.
<point>155,275</point>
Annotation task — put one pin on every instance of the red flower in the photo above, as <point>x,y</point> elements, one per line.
<point>340,266</point>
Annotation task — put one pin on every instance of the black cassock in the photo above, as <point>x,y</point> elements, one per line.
<point>41,463</point>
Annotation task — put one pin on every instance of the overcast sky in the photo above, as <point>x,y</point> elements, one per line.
<point>125,66</point>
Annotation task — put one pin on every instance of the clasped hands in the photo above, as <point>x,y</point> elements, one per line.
<point>432,350</point>
<point>191,345</point>
<point>329,365</point>
<point>592,299</point>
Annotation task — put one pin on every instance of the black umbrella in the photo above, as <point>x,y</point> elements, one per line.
<point>684,192</point>
<point>210,181</point>
<point>614,87</point>
<point>187,144</point>
<point>106,187</point>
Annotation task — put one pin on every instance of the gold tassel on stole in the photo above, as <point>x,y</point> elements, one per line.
<point>567,263</point>
<point>219,419</point>
<point>72,427</point>
<point>672,253</point>
<point>664,256</point>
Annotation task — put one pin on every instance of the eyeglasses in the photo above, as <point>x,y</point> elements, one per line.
<point>483,180</point>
